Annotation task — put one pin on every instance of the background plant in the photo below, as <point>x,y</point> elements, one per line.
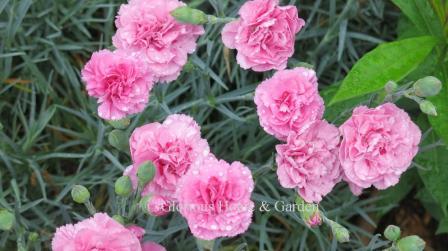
<point>52,139</point>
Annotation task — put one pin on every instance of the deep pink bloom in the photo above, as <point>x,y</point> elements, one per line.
<point>264,35</point>
<point>120,82</point>
<point>158,205</point>
<point>378,146</point>
<point>146,26</point>
<point>309,161</point>
<point>152,246</point>
<point>97,233</point>
<point>289,102</point>
<point>172,146</point>
<point>214,197</point>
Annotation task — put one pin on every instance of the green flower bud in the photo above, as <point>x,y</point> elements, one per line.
<point>392,233</point>
<point>33,237</point>
<point>146,173</point>
<point>80,194</point>
<point>7,220</point>
<point>427,107</point>
<point>123,186</point>
<point>119,139</point>
<point>309,213</point>
<point>391,87</point>
<point>144,204</point>
<point>339,232</point>
<point>427,86</point>
<point>119,219</point>
<point>120,124</point>
<point>411,243</point>
<point>189,15</point>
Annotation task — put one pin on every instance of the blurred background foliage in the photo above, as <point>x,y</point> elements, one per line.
<point>51,137</point>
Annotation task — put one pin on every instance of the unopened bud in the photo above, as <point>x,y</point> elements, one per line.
<point>391,87</point>
<point>119,219</point>
<point>123,186</point>
<point>33,237</point>
<point>411,243</point>
<point>7,220</point>
<point>309,213</point>
<point>120,124</point>
<point>392,233</point>
<point>145,173</point>
<point>427,107</point>
<point>143,203</point>
<point>427,86</point>
<point>189,15</point>
<point>158,205</point>
<point>119,140</point>
<point>339,232</point>
<point>80,194</point>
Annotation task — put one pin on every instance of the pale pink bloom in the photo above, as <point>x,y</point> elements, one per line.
<point>264,35</point>
<point>309,161</point>
<point>120,82</point>
<point>97,233</point>
<point>158,205</point>
<point>378,146</point>
<point>138,232</point>
<point>214,197</point>
<point>289,102</point>
<point>172,146</point>
<point>152,246</point>
<point>146,26</point>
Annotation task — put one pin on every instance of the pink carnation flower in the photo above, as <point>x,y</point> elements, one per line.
<point>147,26</point>
<point>309,161</point>
<point>158,205</point>
<point>97,233</point>
<point>137,231</point>
<point>214,197</point>
<point>289,102</point>
<point>378,146</point>
<point>172,146</point>
<point>120,82</point>
<point>264,35</point>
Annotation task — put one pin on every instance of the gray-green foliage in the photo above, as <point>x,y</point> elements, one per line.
<point>53,139</point>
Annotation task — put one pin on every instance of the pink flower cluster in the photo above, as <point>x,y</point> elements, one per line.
<point>101,233</point>
<point>378,144</point>
<point>151,47</point>
<point>212,195</point>
<point>264,35</point>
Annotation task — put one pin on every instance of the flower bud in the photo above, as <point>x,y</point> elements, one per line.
<point>309,213</point>
<point>427,107</point>
<point>392,233</point>
<point>119,139</point>
<point>119,219</point>
<point>339,232</point>
<point>391,87</point>
<point>158,205</point>
<point>123,186</point>
<point>411,243</point>
<point>80,194</point>
<point>143,203</point>
<point>7,220</point>
<point>189,15</point>
<point>33,237</point>
<point>427,87</point>
<point>120,124</point>
<point>145,173</point>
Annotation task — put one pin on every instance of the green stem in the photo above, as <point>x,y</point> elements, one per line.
<point>219,20</point>
<point>90,207</point>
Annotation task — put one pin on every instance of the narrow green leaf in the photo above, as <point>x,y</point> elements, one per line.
<point>422,15</point>
<point>389,61</point>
